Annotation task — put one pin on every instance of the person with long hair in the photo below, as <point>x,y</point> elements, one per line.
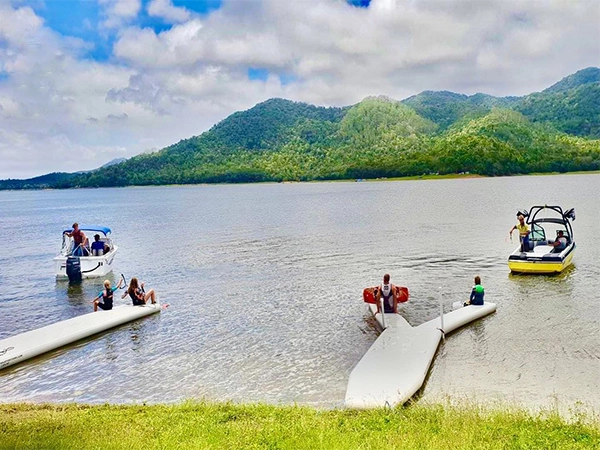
<point>138,295</point>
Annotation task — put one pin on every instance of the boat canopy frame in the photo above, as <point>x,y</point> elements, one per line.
<point>533,220</point>
<point>93,228</point>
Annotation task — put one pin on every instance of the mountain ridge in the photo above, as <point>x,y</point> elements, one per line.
<point>434,131</point>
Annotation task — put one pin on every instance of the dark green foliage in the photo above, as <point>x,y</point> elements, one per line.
<point>579,78</point>
<point>41,182</point>
<point>433,132</point>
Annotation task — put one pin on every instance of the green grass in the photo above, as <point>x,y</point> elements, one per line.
<point>230,426</point>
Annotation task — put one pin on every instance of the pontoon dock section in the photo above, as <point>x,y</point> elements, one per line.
<point>395,366</point>
<point>21,347</point>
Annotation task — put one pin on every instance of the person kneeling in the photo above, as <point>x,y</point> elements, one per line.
<point>138,296</point>
<point>107,296</point>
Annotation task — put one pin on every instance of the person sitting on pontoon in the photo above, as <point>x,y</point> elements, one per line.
<point>523,233</point>
<point>388,292</point>
<point>139,297</point>
<point>80,242</point>
<point>477,293</point>
<point>560,243</point>
<point>107,296</point>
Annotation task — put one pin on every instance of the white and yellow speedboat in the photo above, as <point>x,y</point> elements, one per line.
<point>544,255</point>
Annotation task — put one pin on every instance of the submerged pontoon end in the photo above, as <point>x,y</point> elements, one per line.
<point>21,347</point>
<point>395,366</point>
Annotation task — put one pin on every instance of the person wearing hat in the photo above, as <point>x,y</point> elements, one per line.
<point>97,246</point>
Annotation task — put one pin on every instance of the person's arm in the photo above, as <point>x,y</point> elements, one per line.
<point>119,283</point>
<point>395,298</point>
<point>472,297</point>
<point>512,229</point>
<point>124,294</point>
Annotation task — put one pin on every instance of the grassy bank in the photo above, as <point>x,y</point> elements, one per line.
<point>228,426</point>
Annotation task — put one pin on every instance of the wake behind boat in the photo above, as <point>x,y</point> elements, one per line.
<point>550,247</point>
<point>76,262</point>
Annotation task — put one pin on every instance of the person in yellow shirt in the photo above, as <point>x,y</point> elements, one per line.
<point>523,233</point>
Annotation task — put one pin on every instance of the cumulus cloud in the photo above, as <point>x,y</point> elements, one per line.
<point>119,12</point>
<point>161,86</point>
<point>167,11</point>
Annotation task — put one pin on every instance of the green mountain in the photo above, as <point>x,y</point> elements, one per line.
<point>439,132</point>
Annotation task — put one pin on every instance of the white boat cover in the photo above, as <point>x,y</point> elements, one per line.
<point>395,366</point>
<point>16,349</point>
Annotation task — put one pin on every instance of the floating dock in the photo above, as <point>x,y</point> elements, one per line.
<point>395,366</point>
<point>21,347</point>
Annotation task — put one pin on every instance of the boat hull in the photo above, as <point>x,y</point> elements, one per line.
<point>534,263</point>
<point>91,266</point>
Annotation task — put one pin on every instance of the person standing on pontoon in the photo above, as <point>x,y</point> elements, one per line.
<point>523,233</point>
<point>80,242</point>
<point>388,291</point>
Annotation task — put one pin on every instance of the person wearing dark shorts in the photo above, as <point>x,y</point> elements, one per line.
<point>107,296</point>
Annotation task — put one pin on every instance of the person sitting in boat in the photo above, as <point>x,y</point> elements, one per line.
<point>107,296</point>
<point>560,243</point>
<point>138,295</point>
<point>388,292</point>
<point>98,246</point>
<point>80,242</point>
<point>523,233</point>
<point>477,293</point>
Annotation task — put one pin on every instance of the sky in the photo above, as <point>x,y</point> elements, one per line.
<point>83,82</point>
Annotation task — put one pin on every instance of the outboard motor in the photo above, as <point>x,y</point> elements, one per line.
<point>74,269</point>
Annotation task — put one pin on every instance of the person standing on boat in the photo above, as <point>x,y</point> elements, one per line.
<point>79,241</point>
<point>477,293</point>
<point>138,296</point>
<point>107,296</point>
<point>388,291</point>
<point>523,233</point>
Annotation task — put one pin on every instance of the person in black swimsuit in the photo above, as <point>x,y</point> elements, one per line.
<point>107,296</point>
<point>139,297</point>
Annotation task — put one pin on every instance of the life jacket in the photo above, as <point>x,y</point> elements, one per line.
<point>107,296</point>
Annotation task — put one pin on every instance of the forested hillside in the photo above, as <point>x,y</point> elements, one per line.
<point>433,132</point>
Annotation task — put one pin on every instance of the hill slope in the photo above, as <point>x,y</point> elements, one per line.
<point>442,132</point>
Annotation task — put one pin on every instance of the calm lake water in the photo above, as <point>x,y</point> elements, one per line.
<point>265,287</point>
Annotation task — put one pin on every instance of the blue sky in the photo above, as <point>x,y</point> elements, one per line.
<point>84,82</point>
<point>82,19</point>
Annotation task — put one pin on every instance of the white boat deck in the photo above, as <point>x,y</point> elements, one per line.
<point>395,366</point>
<point>21,347</point>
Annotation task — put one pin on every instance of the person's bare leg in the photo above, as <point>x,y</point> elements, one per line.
<point>150,295</point>
<point>95,306</point>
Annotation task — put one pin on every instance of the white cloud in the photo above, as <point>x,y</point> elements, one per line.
<point>59,111</point>
<point>119,12</point>
<point>167,11</point>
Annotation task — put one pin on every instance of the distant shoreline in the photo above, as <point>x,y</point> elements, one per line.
<point>451,176</point>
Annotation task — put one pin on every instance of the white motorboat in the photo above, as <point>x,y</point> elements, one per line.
<point>79,262</point>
